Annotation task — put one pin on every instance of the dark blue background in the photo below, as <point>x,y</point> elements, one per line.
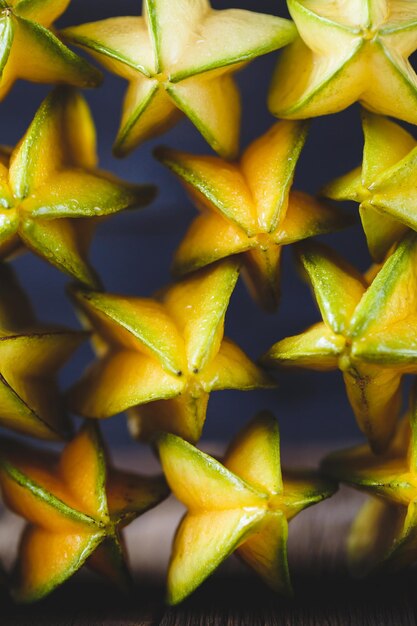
<point>133,251</point>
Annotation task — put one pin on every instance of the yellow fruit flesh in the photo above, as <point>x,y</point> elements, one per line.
<point>200,316</point>
<point>83,468</point>
<point>44,12</point>
<point>255,454</point>
<point>265,552</point>
<point>60,555</point>
<point>265,163</point>
<point>210,238</point>
<point>338,289</point>
<point>317,348</point>
<point>193,556</point>
<point>184,416</point>
<point>140,379</point>
<point>372,534</point>
<point>210,487</point>
<point>136,325</point>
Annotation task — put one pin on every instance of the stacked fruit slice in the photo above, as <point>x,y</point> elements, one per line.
<point>179,57</point>
<point>368,332</point>
<point>52,195</point>
<point>162,358</point>
<point>249,208</point>
<point>345,52</point>
<point>76,506</point>
<point>244,505</point>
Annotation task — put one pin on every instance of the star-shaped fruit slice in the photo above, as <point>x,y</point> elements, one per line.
<point>30,50</point>
<point>369,332</point>
<point>179,57</point>
<point>30,356</point>
<point>163,356</point>
<point>76,506</point>
<point>384,534</point>
<point>248,208</point>
<point>346,52</point>
<point>384,186</point>
<point>51,192</point>
<point>243,505</point>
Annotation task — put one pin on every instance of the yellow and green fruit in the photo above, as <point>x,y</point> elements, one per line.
<point>384,186</point>
<point>30,356</point>
<point>76,506</point>
<point>383,536</point>
<point>163,357</point>
<point>369,332</point>
<point>248,208</point>
<point>30,49</point>
<point>179,57</point>
<point>348,51</point>
<point>52,195</point>
<point>242,505</point>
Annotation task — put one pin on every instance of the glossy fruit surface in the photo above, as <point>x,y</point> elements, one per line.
<point>244,504</point>
<point>385,184</point>
<point>30,356</point>
<point>76,506</point>
<point>51,192</point>
<point>163,356</point>
<point>348,51</point>
<point>368,331</point>
<point>384,534</point>
<point>29,49</point>
<point>179,57</point>
<point>249,209</point>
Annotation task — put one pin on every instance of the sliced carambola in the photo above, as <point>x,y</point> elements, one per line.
<point>384,186</point>
<point>384,534</point>
<point>244,504</point>
<point>29,49</point>
<point>51,192</point>
<point>369,332</point>
<point>248,208</point>
<point>348,51</point>
<point>76,506</point>
<point>30,356</point>
<point>163,356</point>
<point>179,57</point>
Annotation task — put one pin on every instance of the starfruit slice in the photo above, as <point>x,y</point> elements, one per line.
<point>249,209</point>
<point>369,332</point>
<point>163,356</point>
<point>243,505</point>
<point>347,52</point>
<point>179,57</point>
<point>384,535</point>
<point>30,356</point>
<point>29,48</point>
<point>385,185</point>
<point>52,195</point>
<point>76,506</point>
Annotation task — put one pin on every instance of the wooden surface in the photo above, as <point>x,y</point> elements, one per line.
<point>325,595</point>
